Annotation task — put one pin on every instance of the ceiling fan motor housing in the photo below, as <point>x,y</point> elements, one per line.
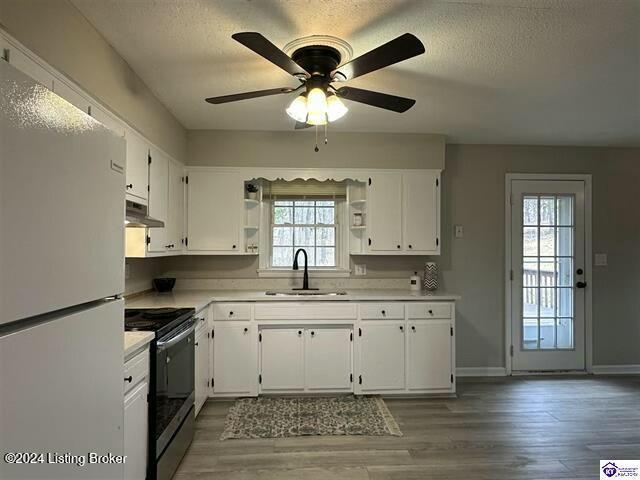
<point>318,60</point>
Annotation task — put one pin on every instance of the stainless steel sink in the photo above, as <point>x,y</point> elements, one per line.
<point>298,293</point>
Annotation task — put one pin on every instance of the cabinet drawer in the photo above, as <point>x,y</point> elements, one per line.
<point>136,370</point>
<point>232,311</point>
<point>305,311</point>
<point>370,311</point>
<point>429,310</point>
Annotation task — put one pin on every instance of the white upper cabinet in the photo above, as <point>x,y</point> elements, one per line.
<point>384,197</point>
<point>175,211</point>
<point>137,167</point>
<point>215,212</point>
<point>403,213</point>
<point>158,199</point>
<point>71,95</point>
<point>26,65</point>
<point>420,218</point>
<point>107,119</point>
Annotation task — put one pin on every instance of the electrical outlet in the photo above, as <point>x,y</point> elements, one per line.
<point>361,269</point>
<point>127,271</point>
<point>459,231</point>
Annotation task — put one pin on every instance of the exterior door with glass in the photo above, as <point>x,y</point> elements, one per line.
<point>548,277</point>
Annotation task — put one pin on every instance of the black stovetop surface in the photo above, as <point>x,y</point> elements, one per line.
<point>158,320</point>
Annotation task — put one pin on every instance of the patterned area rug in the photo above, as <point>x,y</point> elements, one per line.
<point>277,417</point>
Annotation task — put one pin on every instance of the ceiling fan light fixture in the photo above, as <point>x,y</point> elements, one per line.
<point>298,108</point>
<point>317,118</point>
<point>316,101</point>
<point>336,109</point>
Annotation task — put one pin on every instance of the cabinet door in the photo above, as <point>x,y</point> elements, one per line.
<point>158,200</point>
<point>135,433</point>
<point>429,354</point>
<point>215,211</point>
<point>201,367</point>
<point>137,166</point>
<point>328,359</point>
<point>384,198</point>
<point>176,207</point>
<point>382,355</point>
<point>282,359</point>
<point>234,358</point>
<point>421,204</point>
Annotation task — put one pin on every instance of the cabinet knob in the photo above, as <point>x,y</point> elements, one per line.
<point>410,246</point>
<point>313,333</point>
<point>384,312</point>
<point>196,344</point>
<point>233,246</point>
<point>246,329</point>
<point>399,247</point>
<point>129,186</point>
<point>413,327</point>
<point>430,312</point>
<point>299,332</point>
<point>128,379</point>
<point>401,328</point>
<point>231,313</point>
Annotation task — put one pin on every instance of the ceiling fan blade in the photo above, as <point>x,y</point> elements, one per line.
<point>248,95</point>
<point>376,99</point>
<point>301,125</point>
<point>402,48</point>
<point>263,47</point>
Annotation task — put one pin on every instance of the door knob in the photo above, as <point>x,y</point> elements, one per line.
<point>581,284</point>
<point>129,186</point>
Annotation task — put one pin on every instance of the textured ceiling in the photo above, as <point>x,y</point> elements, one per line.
<point>495,71</point>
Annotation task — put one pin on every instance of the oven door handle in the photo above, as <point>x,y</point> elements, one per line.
<point>175,339</point>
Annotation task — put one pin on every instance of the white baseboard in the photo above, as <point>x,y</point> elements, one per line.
<point>616,369</point>
<point>481,372</point>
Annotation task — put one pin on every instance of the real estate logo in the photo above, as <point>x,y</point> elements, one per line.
<point>619,469</point>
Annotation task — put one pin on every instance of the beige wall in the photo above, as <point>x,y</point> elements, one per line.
<point>57,32</point>
<point>295,149</point>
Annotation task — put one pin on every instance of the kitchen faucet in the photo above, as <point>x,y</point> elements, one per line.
<point>305,277</point>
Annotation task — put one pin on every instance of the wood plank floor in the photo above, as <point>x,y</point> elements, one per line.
<point>533,428</point>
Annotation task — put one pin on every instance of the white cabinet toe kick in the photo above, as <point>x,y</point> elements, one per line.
<point>390,348</point>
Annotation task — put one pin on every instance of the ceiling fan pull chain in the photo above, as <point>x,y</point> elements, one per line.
<point>316,149</point>
<point>326,140</point>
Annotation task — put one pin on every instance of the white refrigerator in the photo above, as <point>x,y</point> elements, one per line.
<point>61,279</point>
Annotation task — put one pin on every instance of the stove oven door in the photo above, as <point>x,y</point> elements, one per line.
<point>175,382</point>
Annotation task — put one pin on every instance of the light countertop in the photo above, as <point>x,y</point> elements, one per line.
<point>199,299</point>
<point>135,340</point>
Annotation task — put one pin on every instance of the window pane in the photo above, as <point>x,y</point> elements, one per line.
<point>529,272</point>
<point>325,256</point>
<point>564,272</point>
<point>310,255</point>
<point>547,272</point>
<point>530,242</point>
<point>304,215</point>
<point>547,302</point>
<point>279,203</point>
<point>325,236</point>
<point>547,333</point>
<point>530,211</point>
<point>547,211</point>
<point>304,236</point>
<point>529,302</point>
<point>325,215</point>
<point>547,242</point>
<point>304,203</point>
<point>325,203</point>
<point>564,332</point>
<point>282,215</point>
<point>530,333</point>
<point>282,256</point>
<point>565,210</point>
<point>565,241</point>
<point>565,302</point>
<point>282,236</point>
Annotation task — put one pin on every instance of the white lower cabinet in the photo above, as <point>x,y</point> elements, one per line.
<point>136,372</point>
<point>309,359</point>
<point>201,366</point>
<point>234,359</point>
<point>328,359</point>
<point>281,359</point>
<point>429,356</point>
<point>382,347</point>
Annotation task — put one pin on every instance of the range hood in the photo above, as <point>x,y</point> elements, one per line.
<point>137,216</point>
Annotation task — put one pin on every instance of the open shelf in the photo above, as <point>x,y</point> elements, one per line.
<point>251,202</point>
<point>251,227</point>
<point>358,227</point>
<point>358,202</point>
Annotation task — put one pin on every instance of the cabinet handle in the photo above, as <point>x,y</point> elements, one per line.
<point>129,186</point>
<point>401,328</point>
<point>413,327</point>
<point>128,379</point>
<point>246,329</point>
<point>196,344</point>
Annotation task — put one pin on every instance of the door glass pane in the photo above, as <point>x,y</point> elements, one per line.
<point>547,272</point>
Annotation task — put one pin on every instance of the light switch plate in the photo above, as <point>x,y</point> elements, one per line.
<point>361,269</point>
<point>600,259</point>
<point>459,231</point>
